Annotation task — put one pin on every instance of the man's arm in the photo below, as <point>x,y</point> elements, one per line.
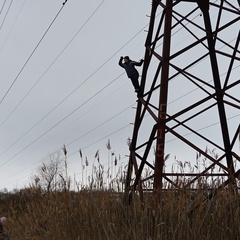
<point>138,63</point>
<point>120,62</point>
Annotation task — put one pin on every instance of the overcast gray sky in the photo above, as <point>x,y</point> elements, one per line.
<point>61,83</point>
<point>63,64</point>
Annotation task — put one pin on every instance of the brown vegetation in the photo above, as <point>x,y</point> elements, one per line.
<point>92,214</point>
<point>49,210</point>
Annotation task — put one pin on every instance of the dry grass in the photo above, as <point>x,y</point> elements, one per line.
<point>101,215</point>
<point>48,210</point>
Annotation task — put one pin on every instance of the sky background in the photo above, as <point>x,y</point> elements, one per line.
<point>67,82</point>
<point>61,83</point>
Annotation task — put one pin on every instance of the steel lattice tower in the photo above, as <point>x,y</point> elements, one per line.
<point>189,96</point>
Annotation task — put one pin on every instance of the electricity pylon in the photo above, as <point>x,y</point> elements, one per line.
<point>189,97</point>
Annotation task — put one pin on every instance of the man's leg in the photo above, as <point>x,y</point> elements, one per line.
<point>135,83</point>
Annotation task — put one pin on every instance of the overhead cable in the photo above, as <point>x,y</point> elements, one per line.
<point>2,7</point>
<point>30,90</point>
<point>89,77</point>
<point>55,125</point>
<point>34,50</point>
<point>6,14</point>
<point>15,20</point>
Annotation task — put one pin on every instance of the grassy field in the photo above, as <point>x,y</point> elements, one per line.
<point>92,214</point>
<point>52,209</point>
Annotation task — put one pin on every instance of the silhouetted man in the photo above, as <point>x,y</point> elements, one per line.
<point>131,71</point>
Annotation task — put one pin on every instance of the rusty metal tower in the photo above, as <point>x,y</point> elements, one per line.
<point>189,101</point>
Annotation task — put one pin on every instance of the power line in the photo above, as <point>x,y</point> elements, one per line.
<point>106,136</point>
<point>118,130</point>
<point>100,125</point>
<point>6,13</point>
<point>68,144</point>
<point>55,125</point>
<point>73,90</point>
<point>90,132</point>
<point>30,90</point>
<point>12,26</point>
<point>2,7</point>
<point>24,65</point>
<point>36,125</point>
<point>90,109</point>
<point>89,77</point>
<point>110,134</point>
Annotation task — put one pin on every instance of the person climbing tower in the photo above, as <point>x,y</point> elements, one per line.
<point>131,71</point>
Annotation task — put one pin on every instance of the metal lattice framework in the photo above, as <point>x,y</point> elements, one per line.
<point>189,97</point>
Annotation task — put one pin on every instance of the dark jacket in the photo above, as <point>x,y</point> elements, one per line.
<point>129,66</point>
